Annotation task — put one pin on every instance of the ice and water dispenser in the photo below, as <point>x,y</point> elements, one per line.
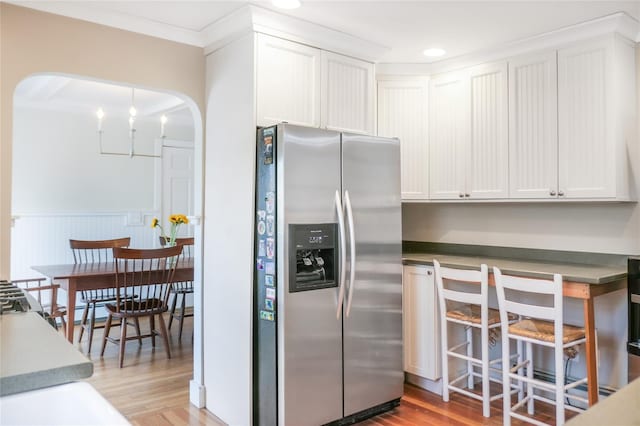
<point>313,257</point>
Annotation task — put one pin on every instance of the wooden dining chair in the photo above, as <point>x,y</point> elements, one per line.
<point>179,290</point>
<point>47,296</point>
<point>95,251</point>
<point>147,273</point>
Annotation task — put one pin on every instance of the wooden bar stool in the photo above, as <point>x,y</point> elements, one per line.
<point>472,311</point>
<point>541,324</point>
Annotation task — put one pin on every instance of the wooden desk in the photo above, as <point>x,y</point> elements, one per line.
<point>583,282</point>
<point>93,276</point>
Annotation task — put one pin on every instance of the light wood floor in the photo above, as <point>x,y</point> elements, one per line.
<point>151,390</point>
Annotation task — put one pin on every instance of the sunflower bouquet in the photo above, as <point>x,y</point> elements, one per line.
<point>176,220</point>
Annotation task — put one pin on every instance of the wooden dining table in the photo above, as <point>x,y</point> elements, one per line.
<point>94,276</point>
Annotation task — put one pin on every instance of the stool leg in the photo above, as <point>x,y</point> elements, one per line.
<point>530,376</point>
<point>506,381</point>
<point>486,395</point>
<point>559,356</point>
<point>470,354</point>
<point>520,359</point>
<point>444,341</point>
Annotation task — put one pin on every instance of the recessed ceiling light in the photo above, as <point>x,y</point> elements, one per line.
<point>286,4</point>
<point>433,52</point>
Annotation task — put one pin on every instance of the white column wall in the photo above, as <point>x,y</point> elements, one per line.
<point>228,230</point>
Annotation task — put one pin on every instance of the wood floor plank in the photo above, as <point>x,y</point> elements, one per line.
<point>152,390</point>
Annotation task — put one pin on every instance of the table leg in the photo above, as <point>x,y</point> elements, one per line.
<point>71,309</point>
<point>590,349</point>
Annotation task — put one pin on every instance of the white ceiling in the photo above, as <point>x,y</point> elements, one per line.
<point>62,93</point>
<point>404,27</point>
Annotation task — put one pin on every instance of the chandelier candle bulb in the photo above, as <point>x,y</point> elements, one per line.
<point>100,114</point>
<point>163,121</point>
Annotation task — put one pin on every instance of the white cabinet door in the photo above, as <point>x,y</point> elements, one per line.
<point>533,126</point>
<point>288,82</point>
<point>586,148</point>
<point>488,150</point>
<point>347,94</point>
<point>402,113</point>
<point>448,134</point>
<point>420,322</point>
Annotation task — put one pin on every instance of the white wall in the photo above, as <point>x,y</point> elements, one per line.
<point>228,233</point>
<point>57,166</point>
<point>588,227</point>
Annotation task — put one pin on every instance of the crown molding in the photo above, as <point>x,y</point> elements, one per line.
<point>618,23</point>
<point>118,20</point>
<point>251,18</point>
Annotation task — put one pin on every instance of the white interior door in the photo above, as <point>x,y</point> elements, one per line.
<point>177,183</point>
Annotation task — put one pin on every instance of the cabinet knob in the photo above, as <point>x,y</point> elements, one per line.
<point>461,195</point>
<point>466,195</point>
<point>429,273</point>
<point>560,193</point>
<point>552,193</point>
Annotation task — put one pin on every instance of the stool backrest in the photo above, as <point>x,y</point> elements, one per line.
<point>470,295</point>
<point>511,291</point>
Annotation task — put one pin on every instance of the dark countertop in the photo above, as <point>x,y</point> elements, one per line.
<point>619,409</point>
<point>34,355</point>
<point>583,273</point>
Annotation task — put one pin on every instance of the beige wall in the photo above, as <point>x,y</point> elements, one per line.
<point>37,42</point>
<point>595,227</point>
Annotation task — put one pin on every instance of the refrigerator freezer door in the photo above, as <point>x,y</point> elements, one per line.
<point>309,334</point>
<point>373,329</point>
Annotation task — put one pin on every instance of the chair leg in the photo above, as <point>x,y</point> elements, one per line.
<point>152,325</point>
<point>470,380</point>
<point>173,310</point>
<point>165,335</point>
<point>486,394</point>
<point>530,391</point>
<point>181,319</point>
<point>92,325</point>
<point>83,321</point>
<point>123,340</point>
<point>107,328</point>
<point>136,322</point>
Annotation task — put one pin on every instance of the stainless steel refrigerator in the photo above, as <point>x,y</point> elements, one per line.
<point>328,277</point>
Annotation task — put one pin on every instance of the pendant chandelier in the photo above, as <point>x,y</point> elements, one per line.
<point>133,112</point>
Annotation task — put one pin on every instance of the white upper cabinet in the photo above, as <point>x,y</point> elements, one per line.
<point>402,113</point>
<point>288,82</point>
<point>533,131</point>
<point>468,134</point>
<point>595,109</point>
<point>347,94</point>
<point>448,134</point>
<point>488,151</point>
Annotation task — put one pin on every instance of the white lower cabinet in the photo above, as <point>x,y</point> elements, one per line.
<point>421,323</point>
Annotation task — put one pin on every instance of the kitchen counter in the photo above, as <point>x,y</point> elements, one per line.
<point>619,409</point>
<point>34,355</point>
<point>583,273</point>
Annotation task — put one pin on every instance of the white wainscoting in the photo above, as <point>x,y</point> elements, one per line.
<point>43,239</point>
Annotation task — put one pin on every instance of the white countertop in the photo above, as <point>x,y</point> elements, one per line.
<point>34,355</point>
<point>70,404</point>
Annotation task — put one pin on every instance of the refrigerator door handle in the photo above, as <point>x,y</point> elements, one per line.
<point>352,240</point>
<point>343,252</point>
